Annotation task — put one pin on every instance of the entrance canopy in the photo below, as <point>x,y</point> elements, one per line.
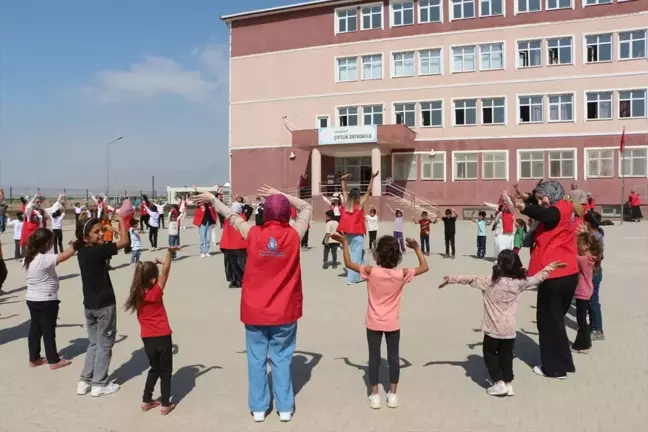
<point>387,137</point>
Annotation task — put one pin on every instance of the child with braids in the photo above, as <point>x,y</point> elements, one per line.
<point>501,292</point>
<point>385,285</point>
<point>145,297</point>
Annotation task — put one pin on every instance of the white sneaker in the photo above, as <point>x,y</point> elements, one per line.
<point>374,401</point>
<point>202,255</point>
<point>538,371</point>
<point>258,417</point>
<point>392,400</point>
<point>104,390</point>
<point>509,386</point>
<point>285,416</point>
<point>499,389</point>
<point>83,388</point>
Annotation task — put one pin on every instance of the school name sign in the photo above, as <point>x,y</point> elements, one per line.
<point>348,135</point>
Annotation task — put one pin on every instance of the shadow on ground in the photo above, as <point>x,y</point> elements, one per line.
<point>383,373</point>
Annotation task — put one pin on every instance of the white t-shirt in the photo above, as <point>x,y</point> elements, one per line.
<point>336,210</point>
<point>173,227</point>
<point>57,222</point>
<point>78,210</point>
<point>372,222</point>
<point>154,218</point>
<point>42,280</point>
<point>331,228</point>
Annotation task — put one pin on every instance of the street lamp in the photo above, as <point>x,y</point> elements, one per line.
<point>108,167</point>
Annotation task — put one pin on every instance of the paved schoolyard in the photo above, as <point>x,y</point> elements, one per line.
<point>442,388</point>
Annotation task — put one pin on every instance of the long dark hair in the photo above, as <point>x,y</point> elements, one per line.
<point>508,265</point>
<point>38,243</point>
<point>144,273</point>
<point>82,230</point>
<point>594,246</point>
<point>388,252</point>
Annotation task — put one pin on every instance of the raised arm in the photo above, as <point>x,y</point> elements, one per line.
<point>30,205</point>
<point>367,194</point>
<point>65,255</point>
<point>539,277</point>
<point>345,188</point>
<point>124,238</point>
<point>57,205</point>
<point>423,265</point>
<point>304,210</point>
<point>94,199</point>
<point>326,200</point>
<point>166,267</point>
<point>479,282</point>
<point>347,255</point>
<point>235,220</point>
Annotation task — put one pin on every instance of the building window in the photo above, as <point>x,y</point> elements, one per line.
<point>466,166</point>
<point>429,11</point>
<point>430,62</point>
<point>559,4</point>
<point>322,121</point>
<point>348,116</point>
<point>405,113</point>
<point>347,20</point>
<point>560,51</point>
<point>561,108</point>
<point>372,67</point>
<point>371,17</point>
<point>347,69</point>
<point>465,112</point>
<point>632,104</point>
<point>529,5</point>
<point>561,164</point>
<point>599,48</point>
<point>404,166</point>
<point>463,59</point>
<point>403,64</point>
<point>433,166</point>
<point>490,8</point>
<point>463,9</point>
<point>634,162</point>
<point>531,109</point>
<point>632,44</point>
<point>492,56</point>
<point>493,111</point>
<point>600,163</point>
<point>597,2</point>
<point>402,12</point>
<point>373,115</point>
<point>494,165</point>
<point>529,53</point>
<point>599,106</point>
<point>531,164</point>
<point>432,114</point>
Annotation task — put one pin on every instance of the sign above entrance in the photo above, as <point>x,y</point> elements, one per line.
<point>348,135</point>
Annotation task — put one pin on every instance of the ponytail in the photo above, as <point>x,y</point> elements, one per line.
<point>144,273</point>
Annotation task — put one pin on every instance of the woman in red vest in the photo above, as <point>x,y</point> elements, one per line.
<point>635,206</point>
<point>352,223</point>
<point>555,240</point>
<point>204,218</point>
<point>233,245</point>
<point>271,300</point>
<point>34,217</point>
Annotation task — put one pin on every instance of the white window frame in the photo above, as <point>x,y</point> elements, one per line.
<point>393,63</point>
<point>322,116</point>
<point>517,53</point>
<point>421,110</point>
<point>337,19</point>
<point>586,159</point>
<point>454,164</point>
<point>430,7</point>
<point>623,156</point>
<point>373,113</point>
<point>598,2</point>
<point>463,56</point>
<point>645,30</point>
<point>558,38</point>
<point>619,100</point>
<point>575,163</point>
<point>598,102</point>
<point>507,166</point>
<point>382,66</point>
<point>481,109</point>
<point>519,163</point>
<point>548,97</point>
<point>420,61</point>
<point>572,5</point>
<point>518,11</point>
<point>395,113</point>
<point>454,108</point>
<point>518,105</point>
<point>357,114</point>
<point>415,161</point>
<point>451,11</point>
<point>362,15</point>
<point>442,156</point>
<point>392,13</point>
<point>337,69</point>
<point>598,44</point>
<point>481,14</point>
<point>502,52</point>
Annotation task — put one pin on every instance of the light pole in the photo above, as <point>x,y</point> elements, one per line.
<point>108,167</point>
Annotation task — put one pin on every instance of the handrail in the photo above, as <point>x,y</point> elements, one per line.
<point>407,196</point>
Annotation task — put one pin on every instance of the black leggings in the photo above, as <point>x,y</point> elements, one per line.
<point>374,340</point>
<point>58,240</point>
<point>372,239</point>
<point>304,241</point>
<point>583,340</point>
<point>43,325</point>
<point>153,235</point>
<point>159,351</point>
<point>144,222</point>
<point>449,243</point>
<point>498,356</point>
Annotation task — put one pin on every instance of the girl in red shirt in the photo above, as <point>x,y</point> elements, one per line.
<point>145,297</point>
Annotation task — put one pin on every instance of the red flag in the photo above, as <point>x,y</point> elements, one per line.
<point>622,145</point>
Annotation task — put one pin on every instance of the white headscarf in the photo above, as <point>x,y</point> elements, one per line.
<point>237,207</point>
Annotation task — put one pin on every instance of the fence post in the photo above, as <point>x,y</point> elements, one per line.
<point>11,194</point>
<point>87,195</point>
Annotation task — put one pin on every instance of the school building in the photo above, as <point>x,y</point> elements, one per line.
<point>453,100</point>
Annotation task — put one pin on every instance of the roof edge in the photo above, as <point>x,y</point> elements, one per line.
<point>282,9</point>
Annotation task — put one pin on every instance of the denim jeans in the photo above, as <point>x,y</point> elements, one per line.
<point>205,238</point>
<point>135,256</point>
<point>2,224</point>
<point>596,318</point>
<point>276,343</point>
<point>356,248</point>
<point>425,243</point>
<point>481,246</point>
<point>102,330</point>
<point>174,240</point>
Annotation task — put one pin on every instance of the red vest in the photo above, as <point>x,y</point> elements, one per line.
<point>558,244</point>
<point>272,284</point>
<point>30,224</point>
<point>200,212</point>
<point>352,223</point>
<point>634,200</point>
<point>232,238</point>
<point>508,227</point>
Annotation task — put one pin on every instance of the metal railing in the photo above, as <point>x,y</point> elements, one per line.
<point>408,198</point>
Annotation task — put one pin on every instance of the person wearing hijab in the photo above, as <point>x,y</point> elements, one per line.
<point>271,299</point>
<point>233,245</point>
<point>554,240</point>
<point>635,206</point>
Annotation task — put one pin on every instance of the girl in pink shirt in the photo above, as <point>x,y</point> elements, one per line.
<point>501,292</point>
<point>385,285</point>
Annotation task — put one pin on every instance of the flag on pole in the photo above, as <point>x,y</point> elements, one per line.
<point>622,144</point>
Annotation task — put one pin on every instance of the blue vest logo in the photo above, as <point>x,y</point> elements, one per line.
<point>272,244</point>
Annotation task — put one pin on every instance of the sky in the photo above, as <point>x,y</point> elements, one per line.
<point>76,74</point>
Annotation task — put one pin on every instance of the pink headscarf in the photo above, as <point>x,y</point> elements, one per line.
<point>276,208</point>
